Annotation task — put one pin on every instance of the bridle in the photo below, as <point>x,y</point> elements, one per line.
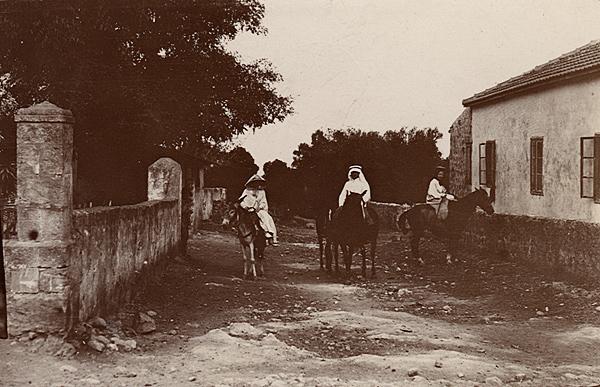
<point>238,220</point>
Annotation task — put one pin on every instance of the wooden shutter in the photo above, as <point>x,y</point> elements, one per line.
<point>490,161</point>
<point>597,168</point>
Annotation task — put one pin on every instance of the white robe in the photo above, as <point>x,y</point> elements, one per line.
<point>357,185</point>
<point>257,200</point>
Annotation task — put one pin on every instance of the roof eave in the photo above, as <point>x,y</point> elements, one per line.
<point>475,100</point>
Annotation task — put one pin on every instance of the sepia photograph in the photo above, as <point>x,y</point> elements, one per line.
<point>300,193</point>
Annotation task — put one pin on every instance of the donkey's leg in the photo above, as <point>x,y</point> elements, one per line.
<point>245,258</point>
<point>252,261</point>
<point>260,255</point>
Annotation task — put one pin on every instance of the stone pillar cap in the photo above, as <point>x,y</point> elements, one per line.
<point>44,112</point>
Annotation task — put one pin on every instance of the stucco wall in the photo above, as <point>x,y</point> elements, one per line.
<point>213,201</point>
<point>561,115</point>
<point>114,249</point>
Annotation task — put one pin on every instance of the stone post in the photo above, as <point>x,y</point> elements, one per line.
<point>38,261</point>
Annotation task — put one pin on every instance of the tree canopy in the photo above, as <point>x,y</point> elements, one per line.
<point>233,168</point>
<point>155,70</point>
<point>397,164</point>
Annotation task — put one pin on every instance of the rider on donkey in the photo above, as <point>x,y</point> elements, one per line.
<point>254,199</point>
<point>437,195</point>
<point>357,183</point>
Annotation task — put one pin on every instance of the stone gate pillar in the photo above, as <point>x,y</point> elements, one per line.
<point>38,261</point>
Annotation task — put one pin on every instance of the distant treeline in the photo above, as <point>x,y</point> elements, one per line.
<point>397,164</point>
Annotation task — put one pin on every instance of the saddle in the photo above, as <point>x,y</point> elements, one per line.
<point>366,215</point>
<point>255,220</point>
<point>441,208</point>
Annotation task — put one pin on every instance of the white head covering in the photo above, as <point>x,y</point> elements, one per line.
<point>256,179</point>
<point>356,168</point>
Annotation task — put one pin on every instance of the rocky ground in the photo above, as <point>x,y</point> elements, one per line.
<point>482,321</point>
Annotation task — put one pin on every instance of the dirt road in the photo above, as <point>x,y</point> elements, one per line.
<point>483,321</point>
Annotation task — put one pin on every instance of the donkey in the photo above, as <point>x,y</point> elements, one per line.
<point>251,237</point>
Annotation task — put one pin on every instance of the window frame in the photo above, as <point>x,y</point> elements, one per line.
<point>583,157</point>
<point>536,170</point>
<point>482,165</point>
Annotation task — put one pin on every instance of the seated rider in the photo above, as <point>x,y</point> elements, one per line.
<point>437,193</point>
<point>357,183</point>
<point>254,199</point>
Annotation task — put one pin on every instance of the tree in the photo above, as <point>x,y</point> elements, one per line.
<point>148,70</point>
<point>136,72</point>
<point>233,168</point>
<point>280,186</point>
<point>397,164</point>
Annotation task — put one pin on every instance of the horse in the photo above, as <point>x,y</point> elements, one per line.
<point>251,237</point>
<point>349,229</point>
<point>423,217</point>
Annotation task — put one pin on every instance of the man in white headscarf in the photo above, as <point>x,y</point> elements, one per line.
<point>254,199</point>
<point>356,184</point>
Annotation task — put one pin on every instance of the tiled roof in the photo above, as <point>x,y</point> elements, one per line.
<point>582,61</point>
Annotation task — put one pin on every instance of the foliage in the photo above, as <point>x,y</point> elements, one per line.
<point>8,162</point>
<point>397,164</point>
<point>136,72</point>
<point>232,169</point>
<point>281,187</point>
<point>149,70</point>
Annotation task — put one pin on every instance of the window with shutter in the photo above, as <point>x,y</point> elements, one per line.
<point>537,162</point>
<point>587,167</point>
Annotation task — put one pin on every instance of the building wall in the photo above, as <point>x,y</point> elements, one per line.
<point>561,115</point>
<point>460,136</point>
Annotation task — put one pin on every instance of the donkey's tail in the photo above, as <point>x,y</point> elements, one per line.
<point>402,223</point>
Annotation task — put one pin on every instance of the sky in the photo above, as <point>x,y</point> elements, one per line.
<point>379,65</point>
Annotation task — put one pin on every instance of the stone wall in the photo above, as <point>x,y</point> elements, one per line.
<point>388,213</point>
<point>115,249</point>
<point>461,155</point>
<point>561,247</point>
<point>67,265</point>
<point>37,263</point>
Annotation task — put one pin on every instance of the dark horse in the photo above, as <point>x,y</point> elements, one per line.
<point>423,217</point>
<point>251,237</point>
<point>349,229</point>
